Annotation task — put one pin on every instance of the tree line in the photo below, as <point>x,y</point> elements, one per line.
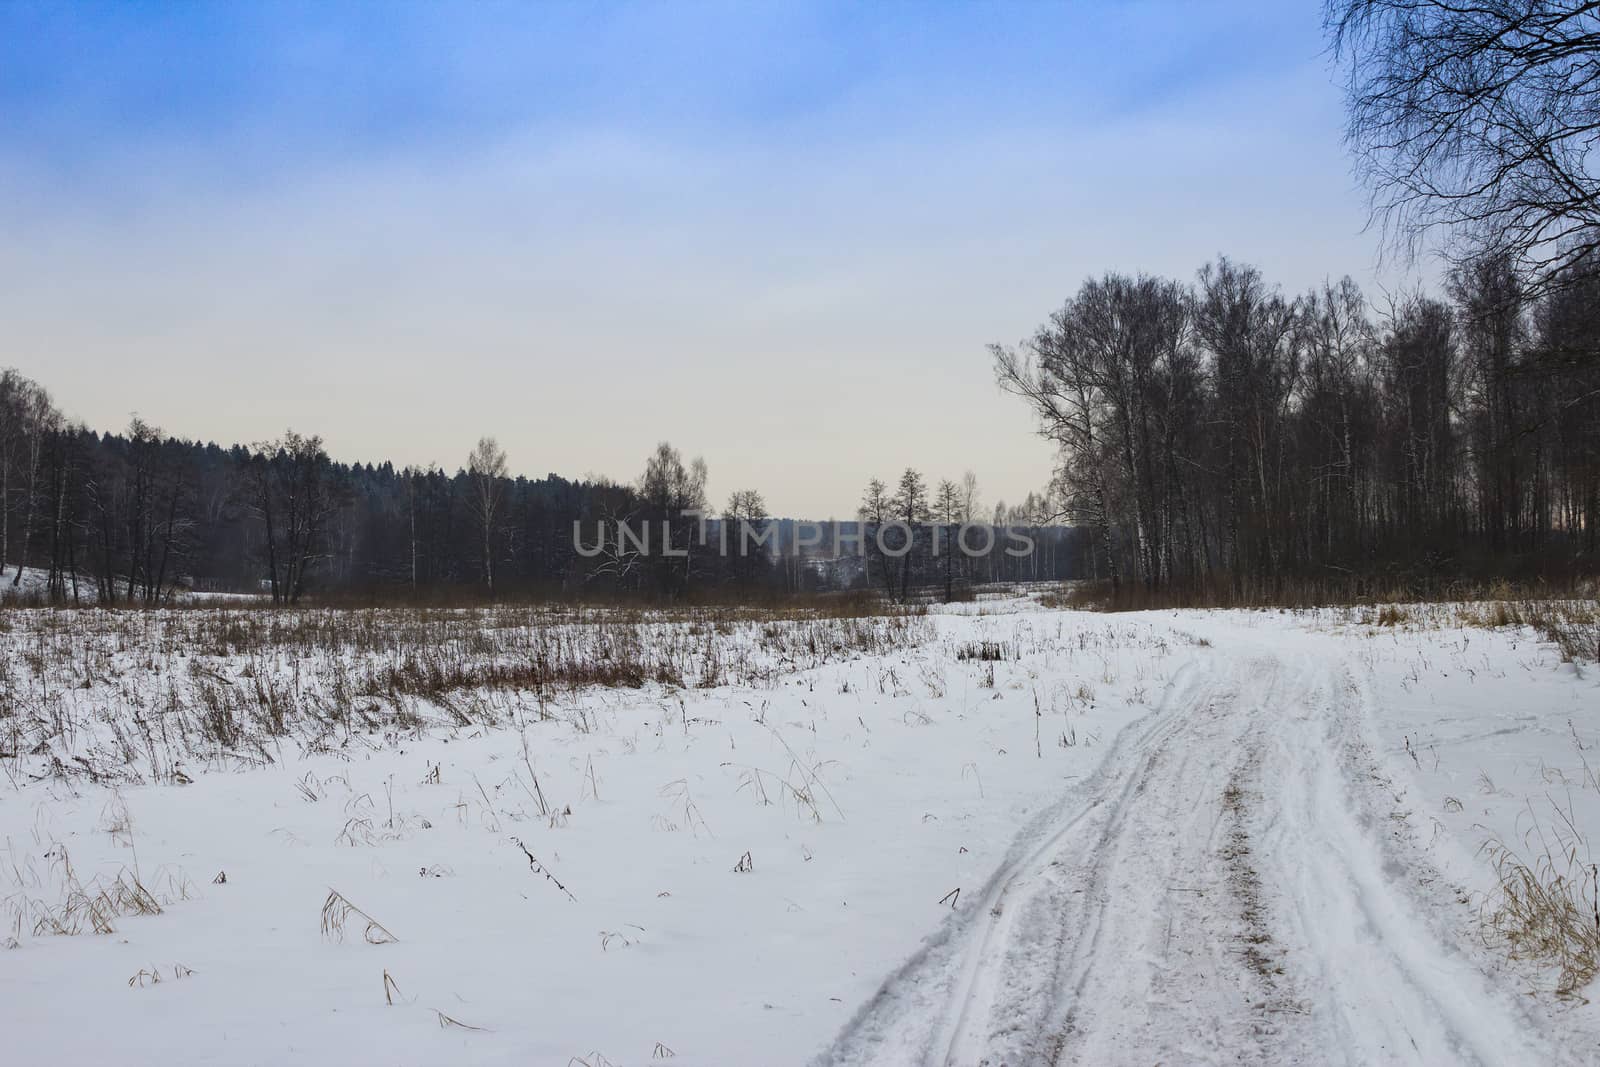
<point>1220,435</point>
<point>135,517</point>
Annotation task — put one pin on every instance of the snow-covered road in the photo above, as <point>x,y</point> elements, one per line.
<point>1233,884</point>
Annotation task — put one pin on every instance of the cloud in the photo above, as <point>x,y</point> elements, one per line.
<point>797,281</point>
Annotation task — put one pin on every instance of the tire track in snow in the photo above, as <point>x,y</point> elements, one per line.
<point>1167,869</point>
<point>1371,921</point>
<point>1123,929</point>
<point>934,1008</point>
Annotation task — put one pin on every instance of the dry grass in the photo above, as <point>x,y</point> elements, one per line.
<point>1306,593</point>
<point>133,697</point>
<point>1547,909</point>
<point>92,907</point>
<point>1573,626</point>
<point>985,652</point>
<point>338,913</point>
<point>152,975</point>
<point>1077,596</point>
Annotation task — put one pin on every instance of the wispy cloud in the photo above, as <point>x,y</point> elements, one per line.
<point>777,236</point>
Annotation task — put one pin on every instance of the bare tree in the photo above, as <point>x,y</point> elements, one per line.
<point>971,500</point>
<point>746,510</point>
<point>157,512</point>
<point>27,420</point>
<point>39,420</point>
<point>674,496</point>
<point>950,512</point>
<point>12,385</point>
<point>616,508</point>
<point>1338,418</point>
<point>746,504</point>
<point>872,514</point>
<point>291,493</point>
<point>1477,120</point>
<point>486,466</point>
<point>971,512</point>
<point>1492,326</point>
<point>1110,378</point>
<point>1057,379</point>
<point>1419,365</point>
<point>1247,326</point>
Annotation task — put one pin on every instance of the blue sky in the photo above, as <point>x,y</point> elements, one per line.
<point>295,83</point>
<point>778,235</point>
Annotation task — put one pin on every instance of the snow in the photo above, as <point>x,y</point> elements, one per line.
<point>1178,836</point>
<point>32,586</point>
<point>22,584</point>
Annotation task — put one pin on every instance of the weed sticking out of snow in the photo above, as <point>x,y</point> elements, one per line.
<point>139,697</point>
<point>338,914</point>
<point>1572,626</point>
<point>55,901</point>
<point>1547,911</point>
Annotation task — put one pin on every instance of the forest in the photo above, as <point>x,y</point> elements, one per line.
<point>1221,437</point>
<point>138,517</point>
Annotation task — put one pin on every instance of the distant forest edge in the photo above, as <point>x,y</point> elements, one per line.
<point>136,517</point>
<point>1219,442</point>
<point>1228,443</point>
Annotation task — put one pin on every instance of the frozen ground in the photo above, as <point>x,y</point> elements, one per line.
<point>1178,837</point>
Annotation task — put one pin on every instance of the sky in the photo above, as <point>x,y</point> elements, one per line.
<point>779,236</point>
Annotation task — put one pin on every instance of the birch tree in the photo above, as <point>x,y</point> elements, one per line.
<point>486,467</point>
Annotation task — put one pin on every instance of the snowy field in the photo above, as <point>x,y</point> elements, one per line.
<point>996,834</point>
